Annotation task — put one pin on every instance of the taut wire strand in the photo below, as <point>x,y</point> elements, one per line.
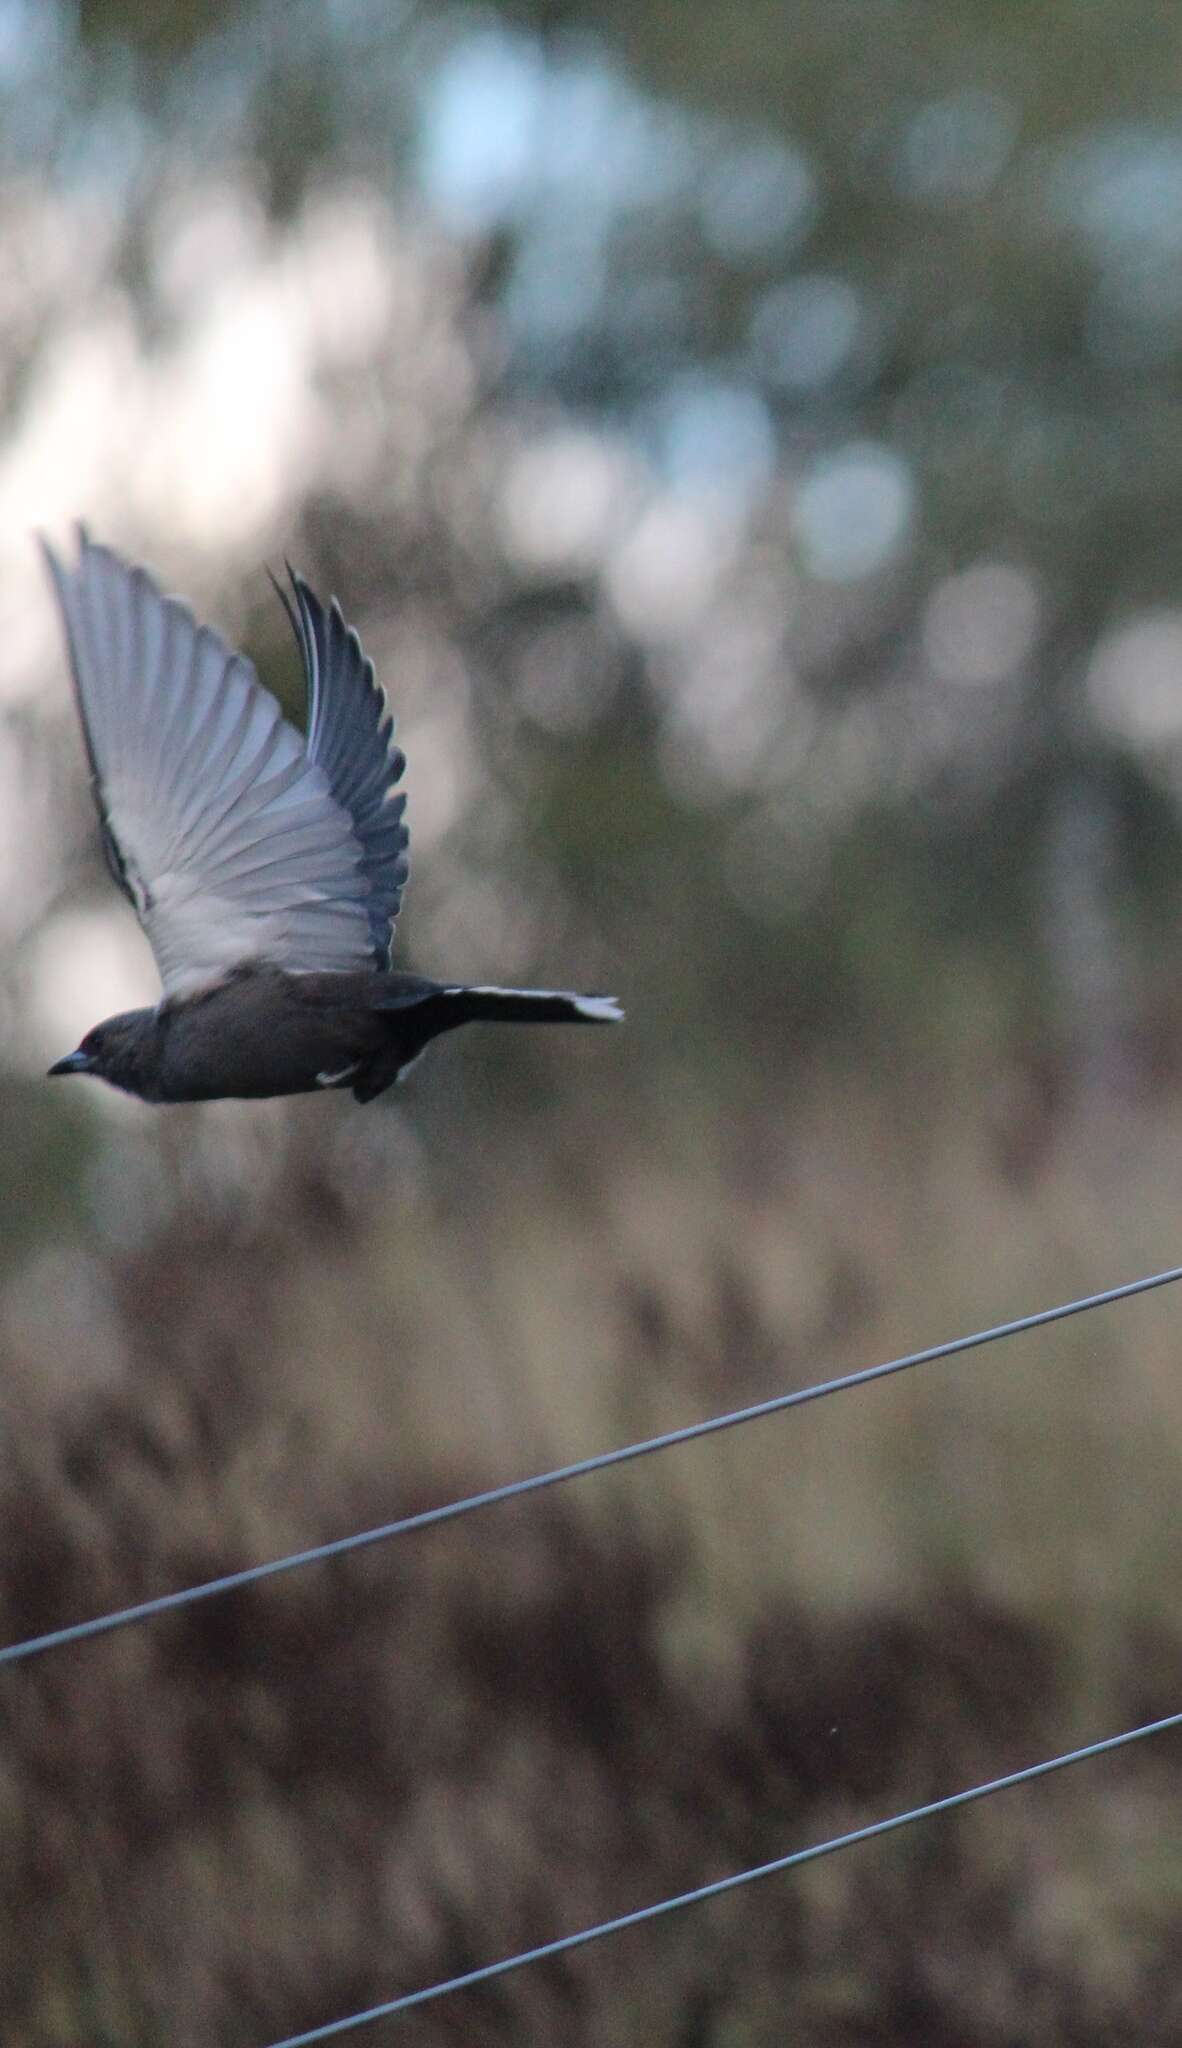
<point>565,1942</point>
<point>516,1489</point>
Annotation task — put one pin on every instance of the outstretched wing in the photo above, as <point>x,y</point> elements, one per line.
<point>222,831</point>
<point>351,737</point>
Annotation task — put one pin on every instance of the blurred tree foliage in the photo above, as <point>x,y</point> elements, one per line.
<point>887,302</point>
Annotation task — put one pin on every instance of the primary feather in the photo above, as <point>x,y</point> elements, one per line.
<point>351,736</point>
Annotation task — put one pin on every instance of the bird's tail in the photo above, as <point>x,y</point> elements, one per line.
<point>530,1006</point>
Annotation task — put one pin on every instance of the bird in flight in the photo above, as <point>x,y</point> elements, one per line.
<point>266,870</point>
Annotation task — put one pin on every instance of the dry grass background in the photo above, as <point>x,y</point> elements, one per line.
<point>281,1806</point>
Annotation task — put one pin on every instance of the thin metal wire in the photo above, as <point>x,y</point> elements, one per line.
<point>516,1489</point>
<point>565,1942</point>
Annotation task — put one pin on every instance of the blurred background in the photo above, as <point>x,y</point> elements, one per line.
<point>749,441</point>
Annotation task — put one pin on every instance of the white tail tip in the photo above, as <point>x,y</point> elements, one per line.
<point>599,1009</point>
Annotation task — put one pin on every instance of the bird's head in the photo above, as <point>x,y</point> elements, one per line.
<point>120,1050</point>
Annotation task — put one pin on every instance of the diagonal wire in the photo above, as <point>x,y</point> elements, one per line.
<point>515,1489</point>
<point>565,1942</point>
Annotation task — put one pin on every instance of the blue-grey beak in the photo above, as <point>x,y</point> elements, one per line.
<point>74,1063</point>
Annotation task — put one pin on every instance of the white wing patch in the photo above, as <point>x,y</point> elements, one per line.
<point>224,834</point>
<point>335,1080</point>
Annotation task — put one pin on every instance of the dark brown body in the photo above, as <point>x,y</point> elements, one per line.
<point>264,1032</point>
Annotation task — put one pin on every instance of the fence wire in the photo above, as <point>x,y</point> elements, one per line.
<point>565,1942</point>
<point>603,1461</point>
